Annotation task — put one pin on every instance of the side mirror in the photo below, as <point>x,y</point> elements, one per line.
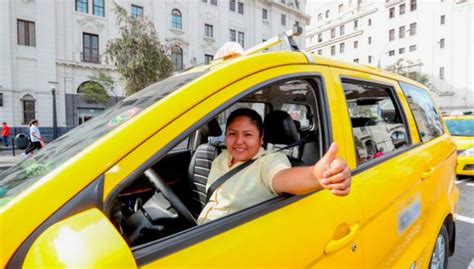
<point>87,239</point>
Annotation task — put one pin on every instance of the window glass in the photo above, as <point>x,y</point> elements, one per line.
<point>208,30</point>
<point>28,108</point>
<point>24,174</point>
<point>298,113</point>
<point>241,8</point>
<point>90,48</point>
<point>427,118</point>
<point>99,9</point>
<point>136,11</point>
<point>81,6</point>
<point>208,58</point>
<point>26,33</point>
<point>176,19</point>
<point>283,19</point>
<point>232,34</point>
<point>241,40</point>
<point>177,58</point>
<point>31,34</point>
<point>377,124</point>
<point>21,32</point>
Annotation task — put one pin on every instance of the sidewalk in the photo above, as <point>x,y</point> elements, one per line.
<point>7,159</point>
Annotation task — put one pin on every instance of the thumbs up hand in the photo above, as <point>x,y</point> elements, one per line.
<point>333,173</point>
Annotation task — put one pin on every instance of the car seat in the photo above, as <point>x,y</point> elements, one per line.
<point>279,131</point>
<point>200,166</point>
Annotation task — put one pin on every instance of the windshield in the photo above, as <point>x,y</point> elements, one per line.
<point>28,171</point>
<point>464,127</point>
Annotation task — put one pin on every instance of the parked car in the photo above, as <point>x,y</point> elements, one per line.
<point>124,188</point>
<point>462,131</point>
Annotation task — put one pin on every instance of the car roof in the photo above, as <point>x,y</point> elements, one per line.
<point>285,58</point>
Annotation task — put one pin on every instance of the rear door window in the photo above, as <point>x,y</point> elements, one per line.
<point>378,127</point>
<point>427,118</point>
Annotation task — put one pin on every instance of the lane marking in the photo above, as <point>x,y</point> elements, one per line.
<point>457,181</point>
<point>465,219</point>
<point>470,184</point>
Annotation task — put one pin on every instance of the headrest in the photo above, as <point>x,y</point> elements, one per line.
<point>279,128</point>
<point>211,128</point>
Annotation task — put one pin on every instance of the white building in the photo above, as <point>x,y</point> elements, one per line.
<point>59,44</point>
<point>436,36</point>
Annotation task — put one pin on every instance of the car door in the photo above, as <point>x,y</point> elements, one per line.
<point>437,158</point>
<point>316,230</point>
<point>387,168</point>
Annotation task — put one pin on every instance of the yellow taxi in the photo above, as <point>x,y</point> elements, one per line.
<point>462,131</point>
<point>124,189</point>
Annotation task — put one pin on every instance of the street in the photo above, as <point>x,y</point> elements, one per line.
<point>464,253</point>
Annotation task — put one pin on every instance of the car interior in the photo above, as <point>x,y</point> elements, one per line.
<point>169,196</point>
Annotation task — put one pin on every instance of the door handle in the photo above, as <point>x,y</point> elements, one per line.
<point>335,245</point>
<point>428,173</point>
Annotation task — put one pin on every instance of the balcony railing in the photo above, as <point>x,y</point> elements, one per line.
<point>91,57</point>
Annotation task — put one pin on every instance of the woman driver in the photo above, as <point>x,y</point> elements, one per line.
<point>269,175</point>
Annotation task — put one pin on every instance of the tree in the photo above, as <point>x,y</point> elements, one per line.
<point>138,54</point>
<point>94,91</point>
<point>404,67</point>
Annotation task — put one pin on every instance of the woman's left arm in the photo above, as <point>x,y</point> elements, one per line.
<point>330,172</point>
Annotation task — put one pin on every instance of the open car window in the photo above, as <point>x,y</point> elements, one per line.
<point>143,211</point>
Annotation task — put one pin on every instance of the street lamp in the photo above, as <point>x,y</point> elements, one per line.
<point>53,85</point>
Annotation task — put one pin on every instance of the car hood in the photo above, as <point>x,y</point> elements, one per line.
<point>463,142</point>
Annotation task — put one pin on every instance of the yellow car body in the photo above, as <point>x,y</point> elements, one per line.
<point>58,213</point>
<point>463,135</point>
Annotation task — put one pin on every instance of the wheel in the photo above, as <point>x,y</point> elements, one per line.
<point>439,257</point>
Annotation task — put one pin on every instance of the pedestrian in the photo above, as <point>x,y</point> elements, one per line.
<point>270,175</point>
<point>36,141</point>
<point>5,133</point>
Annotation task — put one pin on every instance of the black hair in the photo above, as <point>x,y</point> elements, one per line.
<point>254,117</point>
<point>33,121</point>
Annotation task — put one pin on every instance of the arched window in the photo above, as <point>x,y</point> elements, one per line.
<point>28,102</point>
<point>177,57</point>
<point>93,93</point>
<point>89,84</point>
<point>176,19</point>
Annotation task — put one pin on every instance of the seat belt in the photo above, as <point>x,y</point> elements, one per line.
<point>234,171</point>
<point>225,177</point>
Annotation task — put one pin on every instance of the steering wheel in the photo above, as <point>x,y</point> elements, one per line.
<point>158,183</point>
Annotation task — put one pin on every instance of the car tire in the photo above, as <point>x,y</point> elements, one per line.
<point>439,256</point>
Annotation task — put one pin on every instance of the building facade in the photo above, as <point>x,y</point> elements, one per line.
<point>49,49</point>
<point>430,37</point>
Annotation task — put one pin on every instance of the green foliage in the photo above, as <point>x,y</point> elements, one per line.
<point>93,92</point>
<point>137,53</point>
<point>403,67</point>
<point>102,78</point>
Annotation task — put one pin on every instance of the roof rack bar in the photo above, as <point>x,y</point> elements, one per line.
<point>287,36</point>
